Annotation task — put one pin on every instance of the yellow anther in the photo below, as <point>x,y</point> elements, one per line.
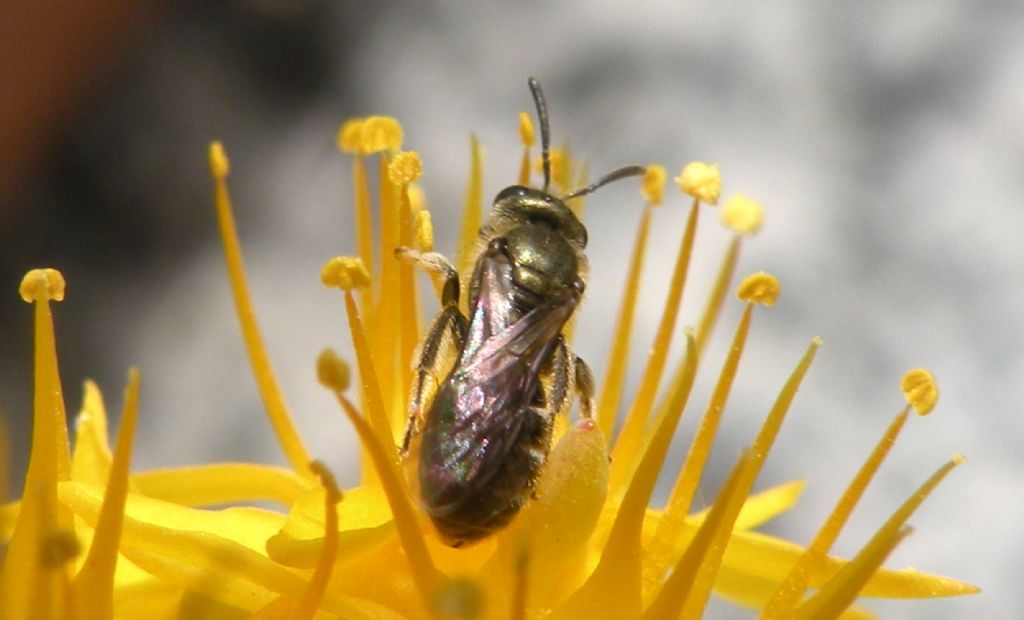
<point>350,135</point>
<point>417,199</point>
<point>920,390</point>
<point>42,285</point>
<point>759,288</point>
<point>423,232</point>
<point>654,183</point>
<point>380,133</point>
<point>332,371</point>
<point>700,180</point>
<point>405,167</point>
<point>219,165</point>
<point>59,547</point>
<point>345,273</point>
<point>526,134</point>
<point>742,214</point>
<point>959,458</point>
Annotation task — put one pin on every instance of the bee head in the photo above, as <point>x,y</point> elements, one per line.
<point>518,205</point>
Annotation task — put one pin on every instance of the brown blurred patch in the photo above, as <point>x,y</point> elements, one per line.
<point>51,54</point>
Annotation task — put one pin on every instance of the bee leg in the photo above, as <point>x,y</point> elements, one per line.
<point>436,265</point>
<point>560,370</point>
<point>447,330</point>
<point>584,387</point>
<point>563,368</point>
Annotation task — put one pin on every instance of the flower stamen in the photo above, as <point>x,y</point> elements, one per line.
<point>472,210</point>
<point>424,573</point>
<point>314,593</point>
<point>94,585</point>
<point>627,446</point>
<point>349,137</point>
<point>24,580</point>
<point>273,399</point>
<point>346,273</point>
<point>405,168</point>
<point>618,360</point>
<point>667,541</point>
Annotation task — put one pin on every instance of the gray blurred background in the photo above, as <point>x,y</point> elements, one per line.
<point>887,146</point>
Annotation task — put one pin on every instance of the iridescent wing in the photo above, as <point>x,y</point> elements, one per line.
<point>477,415</point>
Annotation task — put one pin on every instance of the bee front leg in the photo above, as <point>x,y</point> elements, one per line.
<point>447,333</point>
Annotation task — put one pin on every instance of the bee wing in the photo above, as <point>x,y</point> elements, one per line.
<point>492,310</point>
<point>488,395</point>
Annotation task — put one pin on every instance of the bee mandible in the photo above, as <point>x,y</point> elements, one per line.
<point>485,429</point>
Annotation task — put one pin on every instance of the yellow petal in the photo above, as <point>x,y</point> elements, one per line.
<point>768,504</point>
<point>769,558</point>
<point>217,553</point>
<point>222,483</point>
<point>364,522</point>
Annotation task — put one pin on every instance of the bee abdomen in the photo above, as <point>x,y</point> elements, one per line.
<point>493,507</point>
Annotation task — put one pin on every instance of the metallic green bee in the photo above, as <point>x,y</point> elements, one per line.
<point>486,432</point>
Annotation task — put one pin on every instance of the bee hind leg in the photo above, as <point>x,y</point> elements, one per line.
<point>567,369</point>
<point>584,387</point>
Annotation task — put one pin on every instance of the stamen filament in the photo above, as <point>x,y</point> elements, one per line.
<point>527,136</point>
<point>667,540</point>
<point>472,210</point>
<point>837,594</point>
<point>27,584</point>
<point>810,561</point>
<point>387,310</point>
<point>679,589</point>
<point>425,575</point>
<point>317,585</point>
<point>713,307</point>
<point>621,557</point>
<point>770,428</point>
<point>364,231</point>
<point>615,379</point>
<point>705,578</point>
<point>376,409</point>
<point>408,304</point>
<point>259,360</point>
<point>94,585</point>
<point>627,447</point>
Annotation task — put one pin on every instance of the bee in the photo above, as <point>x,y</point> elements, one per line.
<point>485,429</point>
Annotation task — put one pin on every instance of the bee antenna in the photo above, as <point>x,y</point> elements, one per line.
<point>545,132</point>
<point>614,175</point>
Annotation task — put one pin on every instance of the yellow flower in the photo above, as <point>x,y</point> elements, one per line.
<point>89,539</point>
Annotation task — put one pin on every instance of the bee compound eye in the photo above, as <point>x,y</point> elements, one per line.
<point>498,245</point>
<point>509,192</point>
<point>579,286</point>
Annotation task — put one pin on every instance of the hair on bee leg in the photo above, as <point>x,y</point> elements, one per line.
<point>584,387</point>
<point>436,264</point>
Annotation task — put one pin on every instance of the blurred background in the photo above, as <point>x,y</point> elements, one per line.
<point>886,145</point>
